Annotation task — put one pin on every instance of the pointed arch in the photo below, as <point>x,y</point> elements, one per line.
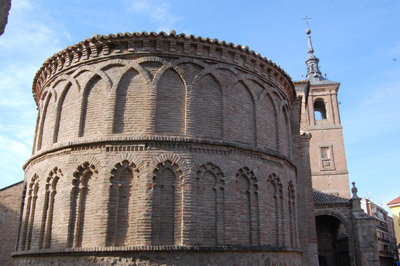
<point>239,114</point>
<point>79,193</point>
<point>185,60</point>
<point>33,189</point>
<point>292,215</point>
<point>209,191</point>
<point>167,66</point>
<point>166,225</point>
<point>208,107</point>
<point>275,203</point>
<point>170,103</point>
<point>129,110</point>
<point>96,72</point>
<point>190,69</point>
<point>286,143</point>
<point>20,220</point>
<point>275,122</point>
<point>147,77</point>
<point>182,166</point>
<point>130,66</point>
<point>65,108</point>
<point>48,208</point>
<point>91,107</point>
<point>35,139</point>
<point>43,122</point>
<point>122,205</point>
<point>127,156</point>
<point>212,69</point>
<point>59,110</point>
<point>269,116</point>
<point>247,208</point>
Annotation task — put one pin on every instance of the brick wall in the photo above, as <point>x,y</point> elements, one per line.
<point>141,148</point>
<point>10,204</point>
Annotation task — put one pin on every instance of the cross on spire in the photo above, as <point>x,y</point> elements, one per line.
<point>306,19</point>
<point>313,71</point>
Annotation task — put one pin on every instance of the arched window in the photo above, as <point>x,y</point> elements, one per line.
<point>210,204</point>
<point>247,208</point>
<point>292,215</point>
<point>48,208</point>
<point>30,212</point>
<point>275,203</point>
<point>166,205</point>
<point>121,205</point>
<point>319,110</point>
<point>79,193</point>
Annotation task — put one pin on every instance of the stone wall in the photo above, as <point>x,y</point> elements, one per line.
<point>10,205</point>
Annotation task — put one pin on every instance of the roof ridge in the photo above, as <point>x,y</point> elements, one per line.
<point>394,201</point>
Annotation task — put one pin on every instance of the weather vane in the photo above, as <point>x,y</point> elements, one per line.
<point>306,19</point>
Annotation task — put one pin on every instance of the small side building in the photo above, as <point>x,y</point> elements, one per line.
<point>394,206</point>
<point>384,234</point>
<point>10,204</point>
<point>345,233</point>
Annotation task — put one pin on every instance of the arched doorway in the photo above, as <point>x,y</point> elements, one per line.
<point>333,241</point>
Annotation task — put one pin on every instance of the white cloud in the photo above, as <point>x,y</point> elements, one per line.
<point>14,155</point>
<point>158,12</point>
<point>375,114</point>
<point>21,5</point>
<point>31,36</point>
<point>139,6</point>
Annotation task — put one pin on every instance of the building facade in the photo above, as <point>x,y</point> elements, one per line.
<point>345,234</point>
<point>175,149</point>
<point>394,206</point>
<point>10,204</point>
<point>386,243</point>
<point>156,148</point>
<point>321,118</point>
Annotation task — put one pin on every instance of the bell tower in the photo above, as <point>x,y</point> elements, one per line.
<point>320,117</point>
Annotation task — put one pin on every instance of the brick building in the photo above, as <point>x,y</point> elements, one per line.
<point>345,234</point>
<point>10,203</point>
<point>156,148</point>
<point>394,206</point>
<point>386,242</point>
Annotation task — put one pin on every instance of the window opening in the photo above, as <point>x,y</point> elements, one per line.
<point>319,110</point>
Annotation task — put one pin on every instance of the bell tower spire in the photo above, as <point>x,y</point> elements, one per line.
<point>321,118</point>
<point>313,71</point>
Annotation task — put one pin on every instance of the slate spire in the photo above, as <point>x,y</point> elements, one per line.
<point>313,71</point>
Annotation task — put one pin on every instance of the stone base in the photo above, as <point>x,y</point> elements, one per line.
<point>173,257</point>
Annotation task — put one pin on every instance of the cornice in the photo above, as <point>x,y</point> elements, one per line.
<point>101,46</point>
<point>131,144</point>
<point>305,81</point>
<point>148,249</point>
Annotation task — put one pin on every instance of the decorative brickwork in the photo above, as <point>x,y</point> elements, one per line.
<point>151,143</point>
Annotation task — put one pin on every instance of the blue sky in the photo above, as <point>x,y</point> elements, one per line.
<point>357,42</point>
